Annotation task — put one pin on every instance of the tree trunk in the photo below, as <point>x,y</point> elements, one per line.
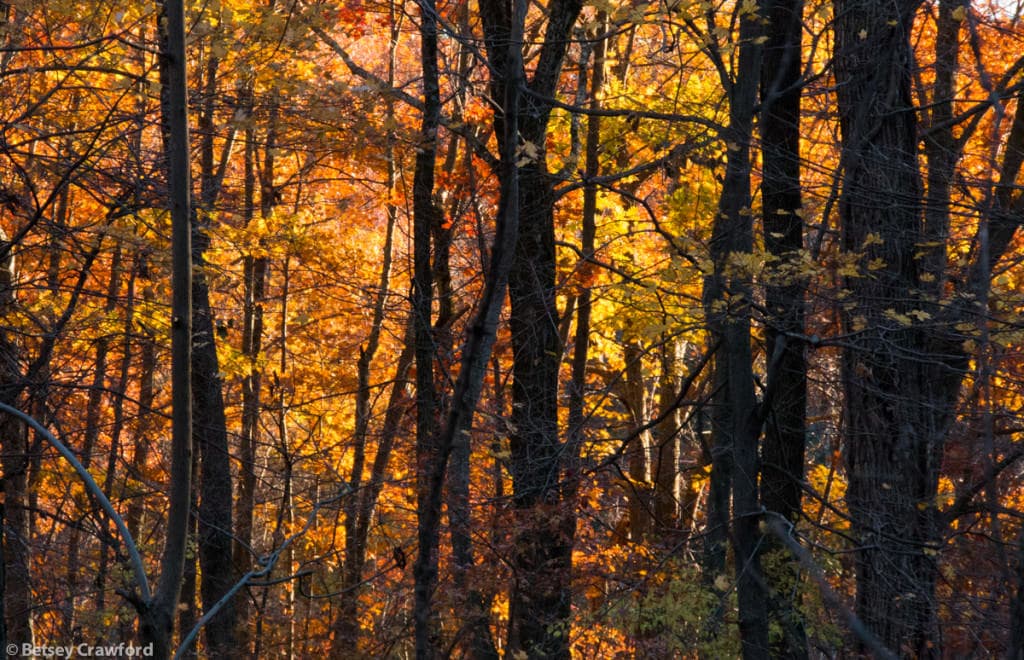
<point>429,461</point>
<point>157,616</point>
<point>634,395</point>
<point>726,299</point>
<point>541,562</point>
<point>17,584</point>
<point>135,515</point>
<point>665,443</point>
<point>209,425</point>
<point>898,403</point>
<point>115,455</point>
<point>92,433</point>
<point>254,274</point>
<point>782,454</point>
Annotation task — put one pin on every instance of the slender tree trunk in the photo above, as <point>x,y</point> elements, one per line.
<point>782,453</point>
<point>142,439</point>
<point>727,304</point>
<point>940,146</point>
<point>17,584</point>
<point>428,451</point>
<point>157,616</point>
<point>1015,649</point>
<point>188,609</point>
<point>210,426</point>
<point>635,397</point>
<point>254,274</point>
<point>665,442</point>
<point>433,452</point>
<point>115,456</point>
<point>588,235</point>
<point>541,562</point>
<point>473,613</point>
<point>92,432</point>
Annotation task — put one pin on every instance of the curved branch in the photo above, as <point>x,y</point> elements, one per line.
<point>93,487</point>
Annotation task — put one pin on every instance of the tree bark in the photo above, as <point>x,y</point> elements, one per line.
<point>17,584</point>
<point>254,284</point>
<point>782,453</point>
<point>157,616</point>
<point>634,395</point>
<point>899,405</point>
<point>665,441</point>
<point>541,562</point>
<point>430,463</point>
<point>210,425</point>
<point>726,298</point>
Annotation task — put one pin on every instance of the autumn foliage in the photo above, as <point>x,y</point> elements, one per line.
<point>615,329</point>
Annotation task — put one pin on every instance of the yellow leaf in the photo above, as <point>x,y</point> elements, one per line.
<point>902,319</point>
<point>872,239</point>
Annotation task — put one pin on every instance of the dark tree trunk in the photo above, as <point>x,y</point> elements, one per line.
<point>726,298</point>
<point>209,424</point>
<point>665,443</point>
<point>157,616</point>
<point>92,433</point>
<point>434,449</point>
<point>17,585</point>
<point>634,396</point>
<point>17,596</point>
<point>782,454</point>
<point>541,562</point>
<point>115,456</point>
<point>188,609</point>
<point>899,399</point>
<point>940,147</point>
<point>540,602</point>
<point>254,284</point>
<point>430,462</point>
<point>210,430</point>
<point>141,441</point>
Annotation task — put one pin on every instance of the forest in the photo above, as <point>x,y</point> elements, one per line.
<point>527,329</point>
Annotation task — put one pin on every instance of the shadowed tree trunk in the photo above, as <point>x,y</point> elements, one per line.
<point>665,444</point>
<point>157,616</point>
<point>92,433</point>
<point>17,585</point>
<point>435,442</point>
<point>901,381</point>
<point>253,292</point>
<point>542,555</point>
<point>430,462</point>
<point>782,454</point>
<point>209,424</point>
<point>736,423</point>
<point>634,396</point>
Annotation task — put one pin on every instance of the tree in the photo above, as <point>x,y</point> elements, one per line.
<point>783,447</point>
<point>901,380</point>
<point>157,616</point>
